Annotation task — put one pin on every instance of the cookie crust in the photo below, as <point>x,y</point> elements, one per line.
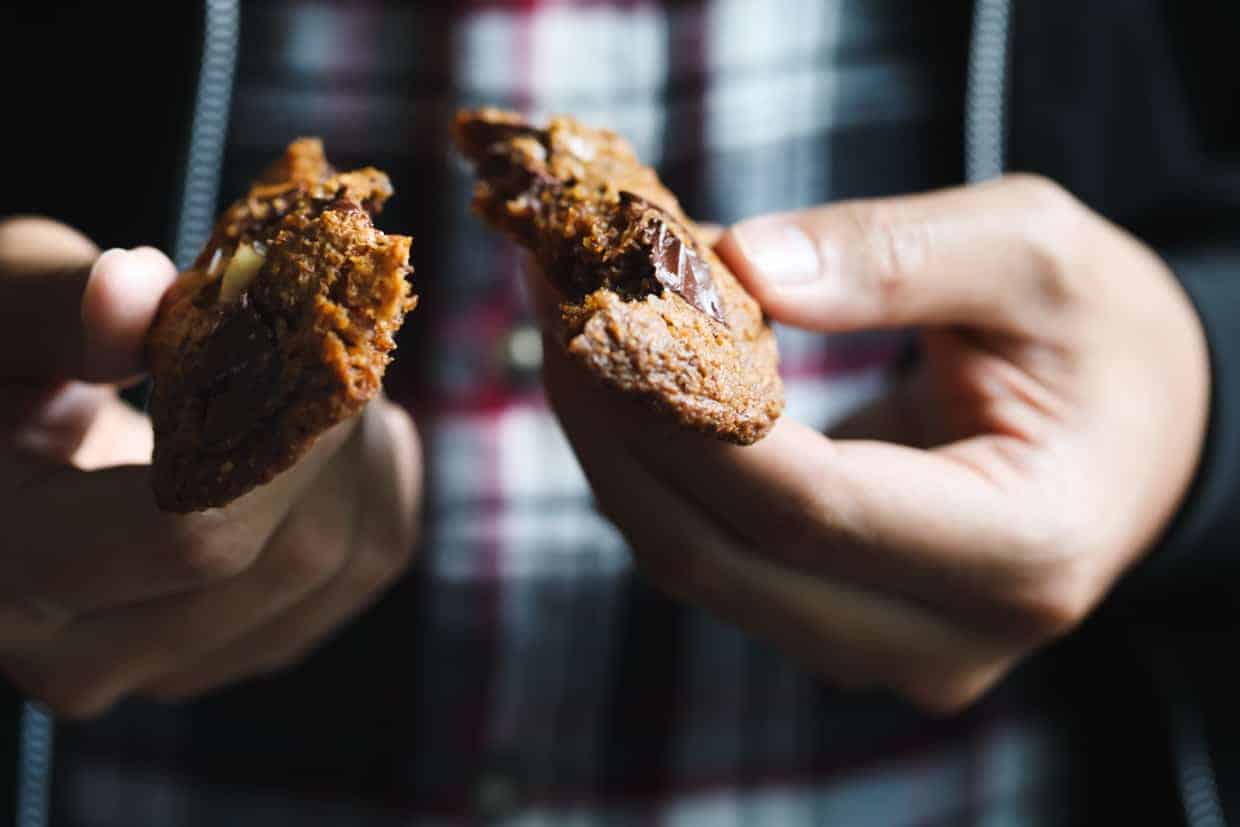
<point>648,308</point>
<point>282,327</point>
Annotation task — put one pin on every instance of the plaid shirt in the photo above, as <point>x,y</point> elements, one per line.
<point>522,674</point>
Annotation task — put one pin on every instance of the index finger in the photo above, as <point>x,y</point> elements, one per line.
<point>990,255</point>
<point>922,524</point>
<point>68,312</point>
<point>79,541</point>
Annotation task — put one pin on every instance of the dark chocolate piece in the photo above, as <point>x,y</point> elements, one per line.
<point>678,265</point>
<point>645,305</point>
<point>240,374</point>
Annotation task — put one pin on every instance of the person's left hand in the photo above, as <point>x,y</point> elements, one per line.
<point>102,595</point>
<point>1044,444</point>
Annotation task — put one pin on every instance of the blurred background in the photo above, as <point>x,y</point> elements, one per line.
<point>570,673</point>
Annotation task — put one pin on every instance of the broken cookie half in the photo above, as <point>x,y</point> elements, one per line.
<point>282,328</point>
<point>647,306</point>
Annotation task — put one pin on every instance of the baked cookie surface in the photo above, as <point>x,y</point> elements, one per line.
<point>282,328</point>
<point>647,306</point>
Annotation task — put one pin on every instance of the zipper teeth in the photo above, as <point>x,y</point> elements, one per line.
<point>985,157</point>
<point>1198,790</point>
<point>1190,751</point>
<point>209,128</point>
<point>200,190</point>
<point>35,764</point>
<point>985,116</point>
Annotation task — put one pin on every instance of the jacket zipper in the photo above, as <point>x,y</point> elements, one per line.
<point>199,192</point>
<point>985,157</point>
<point>985,106</point>
<point>34,766</point>
<point>209,129</point>
<point>1196,780</point>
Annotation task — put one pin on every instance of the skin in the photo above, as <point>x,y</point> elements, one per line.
<point>982,509</point>
<point>979,511</point>
<point>101,594</point>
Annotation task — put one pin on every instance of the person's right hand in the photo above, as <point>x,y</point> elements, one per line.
<point>101,594</point>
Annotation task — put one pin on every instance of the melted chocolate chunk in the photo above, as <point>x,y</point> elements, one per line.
<point>678,266</point>
<point>497,163</point>
<point>482,135</point>
<point>239,372</point>
<point>675,262</point>
<point>513,179</point>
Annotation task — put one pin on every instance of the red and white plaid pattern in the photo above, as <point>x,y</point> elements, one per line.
<point>523,674</point>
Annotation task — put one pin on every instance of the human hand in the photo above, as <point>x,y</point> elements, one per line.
<point>983,508</point>
<point>103,595</point>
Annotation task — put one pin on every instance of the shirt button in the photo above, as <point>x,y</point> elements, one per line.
<point>522,353</point>
<point>497,797</point>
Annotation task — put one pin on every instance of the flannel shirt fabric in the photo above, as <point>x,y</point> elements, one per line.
<point>522,674</point>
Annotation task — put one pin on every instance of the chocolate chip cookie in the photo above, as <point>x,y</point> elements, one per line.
<point>282,328</point>
<point>647,307</point>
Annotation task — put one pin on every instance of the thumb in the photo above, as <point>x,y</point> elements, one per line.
<point>990,256</point>
<point>68,312</point>
<point>118,304</point>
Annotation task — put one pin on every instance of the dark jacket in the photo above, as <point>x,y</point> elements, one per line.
<point>1133,105</point>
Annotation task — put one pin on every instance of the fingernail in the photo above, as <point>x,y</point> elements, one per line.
<point>106,256</point>
<point>779,251</point>
<point>94,360</point>
<point>118,304</point>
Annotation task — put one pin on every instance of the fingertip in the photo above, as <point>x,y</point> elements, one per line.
<point>780,265</point>
<point>155,258</point>
<point>394,419</point>
<point>25,242</point>
<point>122,294</point>
<point>405,432</point>
<point>709,232</point>
<point>730,248</point>
<point>393,452</point>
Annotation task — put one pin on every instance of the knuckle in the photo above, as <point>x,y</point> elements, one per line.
<point>896,251</point>
<point>1051,606</point>
<point>1051,587</point>
<point>1047,535</point>
<point>1051,229</point>
<point>76,700</point>
<point>950,694</point>
<point>1039,190</point>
